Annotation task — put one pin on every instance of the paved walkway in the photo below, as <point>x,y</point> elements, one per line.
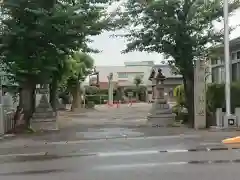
<point>103,114</point>
<point>109,123</point>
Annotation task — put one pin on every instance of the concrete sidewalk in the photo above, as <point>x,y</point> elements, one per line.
<point>90,133</point>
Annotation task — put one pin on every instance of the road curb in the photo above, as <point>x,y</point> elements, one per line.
<point>112,154</point>
<point>7,136</point>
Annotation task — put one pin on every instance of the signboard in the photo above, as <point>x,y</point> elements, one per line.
<point>200,95</point>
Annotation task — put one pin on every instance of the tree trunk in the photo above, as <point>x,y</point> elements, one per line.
<point>53,94</point>
<point>77,100</point>
<point>27,100</point>
<point>189,96</point>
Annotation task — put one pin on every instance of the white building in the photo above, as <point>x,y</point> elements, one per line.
<point>217,65</point>
<point>123,76</point>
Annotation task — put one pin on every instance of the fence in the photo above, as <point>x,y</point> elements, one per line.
<point>7,111</point>
<point>9,123</point>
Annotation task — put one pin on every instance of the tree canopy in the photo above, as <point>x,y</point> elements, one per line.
<point>181,29</point>
<point>37,36</point>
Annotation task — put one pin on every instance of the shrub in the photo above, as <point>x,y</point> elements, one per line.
<point>179,94</point>
<point>103,91</point>
<point>215,96</point>
<point>181,113</point>
<point>90,90</point>
<point>90,105</point>
<point>97,99</point>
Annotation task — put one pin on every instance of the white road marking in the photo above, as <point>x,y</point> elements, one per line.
<point>134,166</point>
<point>126,153</point>
<point>177,150</point>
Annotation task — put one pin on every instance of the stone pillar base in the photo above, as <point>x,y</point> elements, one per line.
<point>44,125</point>
<point>162,120</point>
<point>44,118</point>
<point>161,114</point>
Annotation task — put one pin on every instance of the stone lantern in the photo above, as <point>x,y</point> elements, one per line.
<point>44,118</point>
<point>160,113</point>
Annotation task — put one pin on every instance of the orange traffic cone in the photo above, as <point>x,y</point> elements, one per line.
<point>233,140</point>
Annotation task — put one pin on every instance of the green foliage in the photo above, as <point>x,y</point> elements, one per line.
<point>179,95</point>
<point>216,96</point>
<point>103,91</point>
<point>90,105</point>
<point>167,26</point>
<point>181,29</point>
<point>80,65</point>
<point>138,80</point>
<point>97,99</point>
<point>91,90</point>
<point>36,36</point>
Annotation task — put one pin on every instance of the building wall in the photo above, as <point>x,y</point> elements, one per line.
<point>124,75</point>
<point>218,67</point>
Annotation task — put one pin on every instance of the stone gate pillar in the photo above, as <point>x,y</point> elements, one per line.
<point>199,95</point>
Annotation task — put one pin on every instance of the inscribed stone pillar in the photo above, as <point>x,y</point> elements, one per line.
<point>199,95</point>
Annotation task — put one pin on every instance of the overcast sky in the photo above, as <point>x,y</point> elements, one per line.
<point>111,47</point>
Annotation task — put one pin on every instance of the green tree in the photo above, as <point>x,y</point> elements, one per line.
<point>36,36</point>
<point>137,81</point>
<point>81,66</point>
<point>181,29</point>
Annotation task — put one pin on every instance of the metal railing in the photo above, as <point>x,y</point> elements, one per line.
<point>8,118</point>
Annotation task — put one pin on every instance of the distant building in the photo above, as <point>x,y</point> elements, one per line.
<point>123,76</point>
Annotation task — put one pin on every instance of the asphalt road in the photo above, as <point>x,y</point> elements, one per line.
<point>184,157</point>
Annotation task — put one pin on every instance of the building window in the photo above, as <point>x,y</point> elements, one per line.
<point>221,60</point>
<point>122,75</point>
<point>238,71</point>
<point>238,55</point>
<point>234,56</point>
<point>222,73</point>
<point>215,75</point>
<point>213,61</point>
<point>234,72</point>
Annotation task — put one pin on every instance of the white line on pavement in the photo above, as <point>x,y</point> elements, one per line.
<point>130,166</point>
<point>126,153</point>
<point>177,150</point>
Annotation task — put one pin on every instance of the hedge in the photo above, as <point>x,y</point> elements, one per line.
<point>215,96</point>
<point>179,94</point>
<point>97,99</point>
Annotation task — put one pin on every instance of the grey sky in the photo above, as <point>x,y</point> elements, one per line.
<point>111,47</point>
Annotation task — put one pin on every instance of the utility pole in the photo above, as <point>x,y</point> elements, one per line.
<point>229,119</point>
<point>227,60</point>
